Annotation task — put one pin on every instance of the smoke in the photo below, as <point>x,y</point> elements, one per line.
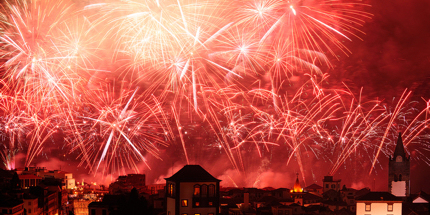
<point>394,52</point>
<point>359,185</point>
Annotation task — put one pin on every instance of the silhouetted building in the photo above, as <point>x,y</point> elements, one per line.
<point>11,206</point>
<point>329,183</point>
<point>314,188</point>
<point>399,171</point>
<point>192,190</point>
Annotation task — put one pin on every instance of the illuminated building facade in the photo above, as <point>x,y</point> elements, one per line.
<point>192,191</point>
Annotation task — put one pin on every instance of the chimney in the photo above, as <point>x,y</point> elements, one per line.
<point>245,201</point>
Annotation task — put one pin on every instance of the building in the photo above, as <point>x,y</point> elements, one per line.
<point>376,203</point>
<point>192,191</point>
<point>98,208</point>
<point>31,204</point>
<point>81,206</point>
<point>11,206</point>
<point>29,180</point>
<point>39,173</point>
<point>315,189</point>
<point>330,184</point>
<point>399,171</point>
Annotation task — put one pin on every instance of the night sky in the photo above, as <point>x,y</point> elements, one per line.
<point>394,55</point>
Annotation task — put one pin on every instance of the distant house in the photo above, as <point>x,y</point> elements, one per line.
<point>376,203</point>
<point>192,191</point>
<point>330,184</point>
<point>314,188</point>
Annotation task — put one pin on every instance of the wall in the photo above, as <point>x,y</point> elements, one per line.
<point>379,208</point>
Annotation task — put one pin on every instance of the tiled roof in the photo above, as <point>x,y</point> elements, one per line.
<point>313,187</point>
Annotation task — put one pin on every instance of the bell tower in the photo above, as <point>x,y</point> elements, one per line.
<point>399,171</point>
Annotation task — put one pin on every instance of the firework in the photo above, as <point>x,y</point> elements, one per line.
<point>121,80</point>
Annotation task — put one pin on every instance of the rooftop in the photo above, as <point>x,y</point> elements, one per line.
<point>192,173</point>
<point>379,196</point>
<point>313,187</point>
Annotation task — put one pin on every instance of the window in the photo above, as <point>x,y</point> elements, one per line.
<point>204,190</point>
<point>197,204</point>
<point>333,186</point>
<point>196,190</point>
<point>211,203</point>
<point>210,214</point>
<point>400,177</point>
<point>367,208</point>
<point>184,203</point>
<point>197,214</point>
<point>326,185</point>
<point>390,207</point>
<point>184,214</point>
<point>29,211</point>
<point>211,190</point>
<point>171,190</point>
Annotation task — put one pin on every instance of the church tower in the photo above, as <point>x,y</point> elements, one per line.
<point>399,171</point>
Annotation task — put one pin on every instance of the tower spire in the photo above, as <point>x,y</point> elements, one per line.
<point>297,188</point>
<point>400,150</point>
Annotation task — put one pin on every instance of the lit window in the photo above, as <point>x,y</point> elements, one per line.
<point>197,214</point>
<point>368,208</point>
<point>184,214</point>
<point>390,207</point>
<point>196,204</point>
<point>184,203</point>
<point>211,203</point>
<point>196,190</point>
<point>171,190</point>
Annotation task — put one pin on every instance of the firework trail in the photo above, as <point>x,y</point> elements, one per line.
<point>122,79</point>
<point>117,128</point>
